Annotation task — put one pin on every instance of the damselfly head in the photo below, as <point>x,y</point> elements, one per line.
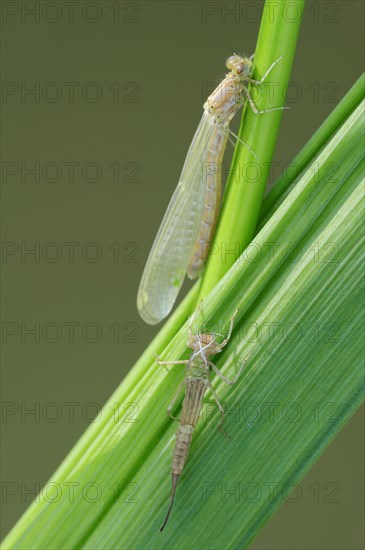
<point>239,65</point>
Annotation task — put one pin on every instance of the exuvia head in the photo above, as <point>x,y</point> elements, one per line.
<point>239,65</point>
<point>204,342</point>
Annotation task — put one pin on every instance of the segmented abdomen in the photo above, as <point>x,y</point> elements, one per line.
<point>183,439</point>
<point>195,390</point>
<point>211,172</point>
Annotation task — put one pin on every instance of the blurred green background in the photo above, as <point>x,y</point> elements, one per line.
<point>100,101</point>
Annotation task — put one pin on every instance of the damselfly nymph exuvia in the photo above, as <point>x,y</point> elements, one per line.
<point>198,366</point>
<point>182,242</point>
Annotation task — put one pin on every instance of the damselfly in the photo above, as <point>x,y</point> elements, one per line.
<point>181,244</point>
<point>196,382</point>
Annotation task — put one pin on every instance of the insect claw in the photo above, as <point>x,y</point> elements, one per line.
<point>220,427</point>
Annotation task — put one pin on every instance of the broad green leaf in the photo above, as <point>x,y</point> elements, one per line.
<point>299,290</point>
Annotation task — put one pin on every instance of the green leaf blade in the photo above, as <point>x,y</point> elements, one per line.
<point>130,462</point>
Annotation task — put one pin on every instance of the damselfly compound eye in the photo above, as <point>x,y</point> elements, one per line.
<point>240,67</point>
<point>231,62</point>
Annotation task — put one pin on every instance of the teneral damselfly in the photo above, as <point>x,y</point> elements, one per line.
<point>181,244</point>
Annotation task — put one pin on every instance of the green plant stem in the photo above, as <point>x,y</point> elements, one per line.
<point>242,203</point>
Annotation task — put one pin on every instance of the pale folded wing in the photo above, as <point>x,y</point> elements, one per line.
<point>169,257</point>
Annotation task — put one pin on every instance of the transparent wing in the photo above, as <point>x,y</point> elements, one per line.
<point>169,258</point>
